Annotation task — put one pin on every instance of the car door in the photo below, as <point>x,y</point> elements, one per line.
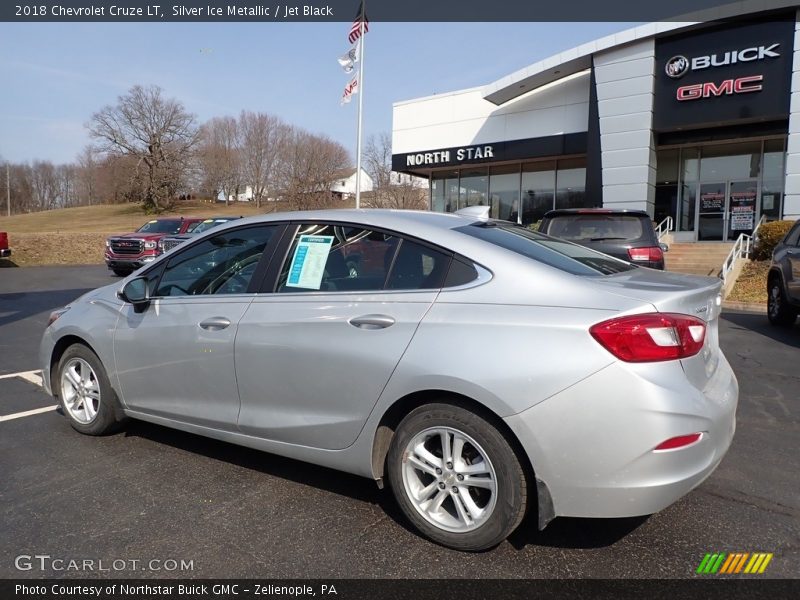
<point>792,250</point>
<point>175,358</point>
<point>314,353</point>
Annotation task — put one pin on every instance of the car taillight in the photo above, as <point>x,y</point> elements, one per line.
<point>651,254</point>
<point>679,442</point>
<point>651,337</point>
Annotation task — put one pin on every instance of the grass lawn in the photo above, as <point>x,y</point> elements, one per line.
<point>76,236</point>
<point>752,283</point>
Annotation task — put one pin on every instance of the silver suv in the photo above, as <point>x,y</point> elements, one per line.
<point>783,283</point>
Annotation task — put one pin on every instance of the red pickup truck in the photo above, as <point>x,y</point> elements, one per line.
<point>126,253</point>
<point>5,251</point>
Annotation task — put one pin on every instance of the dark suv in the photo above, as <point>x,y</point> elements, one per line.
<point>625,234</point>
<point>783,281</point>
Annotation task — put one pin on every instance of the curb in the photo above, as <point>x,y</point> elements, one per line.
<point>746,307</point>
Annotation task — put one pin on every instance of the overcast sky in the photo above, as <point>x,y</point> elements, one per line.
<point>54,76</point>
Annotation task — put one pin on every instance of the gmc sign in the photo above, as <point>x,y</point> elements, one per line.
<point>742,85</point>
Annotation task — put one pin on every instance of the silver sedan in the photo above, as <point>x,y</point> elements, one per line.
<point>482,369</point>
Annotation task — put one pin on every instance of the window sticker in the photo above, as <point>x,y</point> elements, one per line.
<point>308,262</point>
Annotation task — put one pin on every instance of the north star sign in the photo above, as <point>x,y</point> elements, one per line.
<point>444,156</point>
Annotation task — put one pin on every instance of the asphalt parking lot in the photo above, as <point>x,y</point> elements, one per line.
<point>150,493</point>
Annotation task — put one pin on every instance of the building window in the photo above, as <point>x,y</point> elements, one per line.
<point>772,185</point>
<point>538,190</point>
<point>504,192</point>
<point>571,183</point>
<point>533,187</point>
<point>474,187</point>
<point>667,163</point>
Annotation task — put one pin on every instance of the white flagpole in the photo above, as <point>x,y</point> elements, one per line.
<point>360,102</point>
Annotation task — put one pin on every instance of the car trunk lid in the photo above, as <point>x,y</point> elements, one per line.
<point>684,294</point>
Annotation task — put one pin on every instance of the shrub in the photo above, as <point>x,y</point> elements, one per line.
<point>768,236</point>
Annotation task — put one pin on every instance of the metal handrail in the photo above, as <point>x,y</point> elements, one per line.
<point>741,249</point>
<point>665,227</point>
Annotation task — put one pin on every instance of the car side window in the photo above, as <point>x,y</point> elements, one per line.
<point>337,258</point>
<point>223,264</point>
<point>793,237</point>
<point>418,267</point>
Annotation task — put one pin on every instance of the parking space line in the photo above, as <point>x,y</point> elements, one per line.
<point>32,376</point>
<point>28,413</point>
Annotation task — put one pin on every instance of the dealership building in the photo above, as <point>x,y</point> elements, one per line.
<point>695,121</point>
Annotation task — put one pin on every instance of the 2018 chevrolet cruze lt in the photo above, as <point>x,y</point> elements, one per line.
<point>483,369</point>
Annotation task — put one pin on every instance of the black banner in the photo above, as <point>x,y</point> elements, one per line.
<point>730,74</point>
<point>345,10</point>
<point>530,148</point>
<point>711,588</point>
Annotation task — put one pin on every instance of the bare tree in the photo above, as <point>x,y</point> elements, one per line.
<point>307,168</point>
<point>263,138</point>
<point>86,176</point>
<point>390,189</point>
<point>157,132</point>
<point>219,156</point>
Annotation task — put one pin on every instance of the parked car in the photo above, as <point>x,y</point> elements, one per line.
<point>5,251</point>
<point>625,234</point>
<point>783,281</point>
<point>126,253</point>
<point>484,370</point>
<point>167,243</point>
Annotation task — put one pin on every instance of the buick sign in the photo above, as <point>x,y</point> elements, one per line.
<point>677,66</point>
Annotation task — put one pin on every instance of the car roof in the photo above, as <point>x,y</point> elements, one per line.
<point>560,212</point>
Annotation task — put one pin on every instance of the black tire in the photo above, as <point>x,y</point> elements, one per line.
<point>779,311</point>
<point>105,407</point>
<point>511,481</point>
<point>122,272</point>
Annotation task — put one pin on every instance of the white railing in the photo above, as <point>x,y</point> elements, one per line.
<point>741,249</point>
<point>664,227</point>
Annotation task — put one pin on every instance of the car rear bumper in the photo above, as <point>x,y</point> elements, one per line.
<point>592,445</point>
<point>5,252</point>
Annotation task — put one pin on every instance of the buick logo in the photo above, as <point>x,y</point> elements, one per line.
<point>677,66</point>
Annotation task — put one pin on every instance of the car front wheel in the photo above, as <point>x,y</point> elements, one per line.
<point>456,477</point>
<point>85,394</point>
<point>779,311</point>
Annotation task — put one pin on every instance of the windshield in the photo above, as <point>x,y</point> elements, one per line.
<point>206,225</point>
<point>161,226</point>
<point>594,227</point>
<point>574,259</point>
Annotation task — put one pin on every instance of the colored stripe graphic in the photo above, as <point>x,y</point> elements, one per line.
<point>734,563</point>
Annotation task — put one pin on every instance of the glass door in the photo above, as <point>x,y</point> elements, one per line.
<point>742,207</point>
<point>711,211</point>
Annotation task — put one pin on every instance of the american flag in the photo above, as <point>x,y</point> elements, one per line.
<point>355,28</point>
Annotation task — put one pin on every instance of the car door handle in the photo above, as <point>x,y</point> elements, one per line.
<point>372,322</point>
<point>215,323</point>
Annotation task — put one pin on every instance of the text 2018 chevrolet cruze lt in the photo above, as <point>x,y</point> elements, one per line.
<point>483,369</point>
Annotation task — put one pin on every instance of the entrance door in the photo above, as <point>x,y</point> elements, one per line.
<point>711,212</point>
<point>726,209</point>
<point>742,196</point>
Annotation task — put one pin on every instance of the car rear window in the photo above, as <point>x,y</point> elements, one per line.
<point>596,228</point>
<point>572,258</point>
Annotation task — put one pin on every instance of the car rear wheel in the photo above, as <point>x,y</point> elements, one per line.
<point>456,477</point>
<point>779,311</point>
<point>85,394</point>
<point>122,272</point>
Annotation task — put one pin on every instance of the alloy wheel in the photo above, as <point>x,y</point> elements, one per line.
<point>449,479</point>
<point>80,390</point>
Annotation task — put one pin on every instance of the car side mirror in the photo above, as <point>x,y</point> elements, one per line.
<point>136,292</point>
<point>664,247</point>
